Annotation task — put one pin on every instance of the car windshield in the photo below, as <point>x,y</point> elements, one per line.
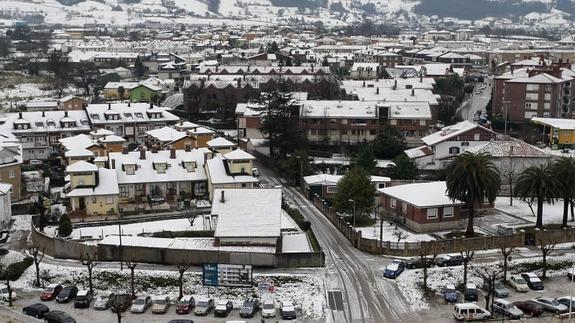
<point>203,304</point>
<point>555,302</point>
<point>248,304</point>
<point>268,306</point>
<point>184,302</point>
<point>49,290</point>
<point>104,297</point>
<point>521,281</point>
<point>499,286</point>
<point>139,301</point>
<point>160,301</point>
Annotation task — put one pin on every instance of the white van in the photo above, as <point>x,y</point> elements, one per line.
<point>469,312</point>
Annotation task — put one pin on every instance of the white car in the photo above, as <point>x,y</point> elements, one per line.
<point>518,283</point>
<point>4,294</point>
<point>268,309</point>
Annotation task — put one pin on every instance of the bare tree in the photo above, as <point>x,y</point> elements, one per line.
<point>426,262</point>
<point>506,252</point>
<point>192,216</point>
<point>399,235</point>
<point>132,266</point>
<point>117,307</point>
<point>546,250</point>
<point>37,255</point>
<point>489,276</point>
<point>90,262</point>
<point>182,268</point>
<point>467,257</point>
<point>509,169</point>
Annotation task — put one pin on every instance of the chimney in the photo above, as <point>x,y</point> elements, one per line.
<point>172,153</point>
<point>154,149</point>
<point>129,103</point>
<point>124,150</point>
<point>421,78</point>
<point>142,153</point>
<point>113,164</point>
<point>151,105</point>
<point>363,84</point>
<point>202,83</point>
<point>109,106</point>
<point>188,147</point>
<point>209,75</point>
<point>377,90</point>
<point>66,114</point>
<point>222,198</point>
<point>43,114</point>
<point>239,83</point>
<point>20,115</point>
<point>395,84</point>
<point>412,92</point>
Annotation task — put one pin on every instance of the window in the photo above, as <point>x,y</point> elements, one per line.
<point>404,207</point>
<point>95,116</point>
<point>476,137</point>
<point>94,200</point>
<point>332,189</point>
<point>454,150</point>
<point>448,212</point>
<point>393,202</point>
<point>139,115</point>
<point>432,213</point>
<point>465,144</point>
<point>12,173</point>
<point>139,187</point>
<point>109,200</point>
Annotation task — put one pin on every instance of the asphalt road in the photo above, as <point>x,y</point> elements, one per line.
<point>477,102</point>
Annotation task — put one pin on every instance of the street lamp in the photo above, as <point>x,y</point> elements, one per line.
<point>506,106</point>
<point>353,201</point>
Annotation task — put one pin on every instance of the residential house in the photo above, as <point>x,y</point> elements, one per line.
<point>10,166</point>
<point>144,92</point>
<point>221,145</point>
<point>111,90</point>
<point>325,185</point>
<point>422,207</point>
<point>231,170</point>
<point>5,205</point>
<point>72,102</point>
<point>168,137</point>
<point>92,191</point>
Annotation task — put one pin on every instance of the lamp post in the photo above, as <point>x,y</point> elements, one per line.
<point>353,201</point>
<point>506,105</point>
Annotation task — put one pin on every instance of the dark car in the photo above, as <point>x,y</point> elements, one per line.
<point>449,260</point>
<point>67,294</point>
<point>417,262</point>
<point>58,317</point>
<point>394,269</point>
<point>530,308</point>
<point>533,281</point>
<point>287,311</point>
<point>83,299</point>
<point>471,293</point>
<point>250,308</point>
<point>181,321</point>
<point>120,302</point>
<point>37,310</point>
<point>50,292</point>
<point>449,293</point>
<point>223,308</point>
<point>185,304</point>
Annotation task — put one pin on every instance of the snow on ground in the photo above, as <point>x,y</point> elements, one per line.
<point>11,257</point>
<point>552,213</point>
<point>305,291</point>
<point>133,229</point>
<point>21,222</point>
<point>297,242</point>
<point>24,90</point>
<point>388,229</point>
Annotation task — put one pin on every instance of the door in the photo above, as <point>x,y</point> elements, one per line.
<point>82,203</point>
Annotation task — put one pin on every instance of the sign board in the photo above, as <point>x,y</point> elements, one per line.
<point>227,275</point>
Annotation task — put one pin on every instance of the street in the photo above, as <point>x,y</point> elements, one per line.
<point>477,102</point>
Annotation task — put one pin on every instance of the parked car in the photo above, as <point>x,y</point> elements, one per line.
<point>268,308</point>
<point>470,312</point>
<point>551,305</point>
<point>180,321</point>
<point>204,306</point>
<point>141,304</point>
<point>449,260</point>
<point>394,269</point>
<point>83,299</point>
<point>255,172</point>
<point>120,302</point>
<point>223,308</point>
<point>5,295</point>
<point>500,290</point>
<point>50,292</point>
<point>250,307</point>
<point>160,304</point>
<point>287,311</point>
<point>471,293</point>
<point>533,281</point>
<point>570,274</point>
<point>449,293</point>
<point>185,304</point>
<point>58,317</point>
<point>507,308</point>
<point>568,301</point>
<point>67,294</point>
<point>35,162</point>
<point>518,283</point>
<point>104,301</point>
<point>37,310</point>
<point>417,262</point>
<point>529,307</point>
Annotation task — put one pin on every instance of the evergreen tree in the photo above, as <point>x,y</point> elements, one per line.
<point>355,188</point>
<point>403,168</point>
<point>365,158</point>
<point>388,143</point>
<point>64,226</point>
<point>139,67</point>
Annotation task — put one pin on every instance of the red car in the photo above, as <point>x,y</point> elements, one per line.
<point>185,305</point>
<point>51,292</point>
<point>530,307</point>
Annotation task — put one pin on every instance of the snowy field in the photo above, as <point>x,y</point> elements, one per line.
<point>388,230</point>
<point>552,213</point>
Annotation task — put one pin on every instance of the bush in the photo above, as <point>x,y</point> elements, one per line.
<point>15,270</point>
<point>3,252</point>
<point>181,234</point>
<point>296,215</point>
<point>65,226</point>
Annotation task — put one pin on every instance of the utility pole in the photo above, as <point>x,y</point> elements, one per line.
<point>353,201</point>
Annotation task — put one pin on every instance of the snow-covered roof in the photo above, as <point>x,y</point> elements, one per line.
<point>81,166</point>
<point>322,179</point>
<point>422,195</point>
<point>558,123</point>
<point>417,152</point>
<point>247,212</point>
<point>112,139</point>
<point>451,131</point>
<point>220,142</point>
<point>78,152</point>
<point>238,154</point>
<point>166,134</point>
<point>5,188</point>
<point>509,148</point>
<point>295,242</point>
<point>181,244</point>
<point>402,83</point>
<point>128,113</point>
<point>219,175</point>
<point>107,185</point>
<point>43,121</point>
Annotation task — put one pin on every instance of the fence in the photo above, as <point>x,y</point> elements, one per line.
<point>434,247</point>
<point>69,249</point>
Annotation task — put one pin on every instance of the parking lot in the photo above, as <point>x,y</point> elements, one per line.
<point>94,316</point>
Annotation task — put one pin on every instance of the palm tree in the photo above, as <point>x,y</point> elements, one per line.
<point>537,182</point>
<point>473,179</point>
<point>564,172</point>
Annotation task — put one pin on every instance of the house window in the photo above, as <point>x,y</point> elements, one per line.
<point>465,144</point>
<point>404,207</point>
<point>124,191</point>
<point>454,150</point>
<point>432,213</point>
<point>12,173</point>
<point>476,137</point>
<point>393,202</point>
<point>448,212</point>
<point>139,187</point>
<point>332,189</point>
<point>109,200</point>
<point>94,200</point>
